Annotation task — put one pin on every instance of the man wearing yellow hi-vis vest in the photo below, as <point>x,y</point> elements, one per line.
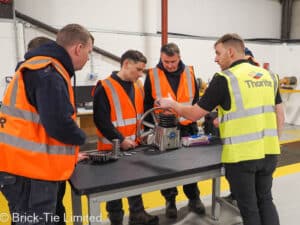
<point>250,115</point>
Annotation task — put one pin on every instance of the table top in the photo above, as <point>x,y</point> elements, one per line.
<point>145,165</point>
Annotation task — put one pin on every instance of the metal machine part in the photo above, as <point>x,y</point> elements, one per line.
<point>102,157</point>
<point>116,148</point>
<point>164,133</point>
<point>106,156</point>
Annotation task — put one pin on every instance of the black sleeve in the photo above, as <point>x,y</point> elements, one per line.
<point>196,96</point>
<point>216,94</point>
<point>47,91</point>
<point>278,99</point>
<point>148,100</point>
<point>102,117</point>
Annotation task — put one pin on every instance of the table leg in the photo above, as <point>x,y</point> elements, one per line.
<point>215,207</point>
<point>76,206</point>
<point>95,216</point>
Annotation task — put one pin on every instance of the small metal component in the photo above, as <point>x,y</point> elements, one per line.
<point>127,154</point>
<point>116,148</point>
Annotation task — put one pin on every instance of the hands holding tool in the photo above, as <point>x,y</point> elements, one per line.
<point>128,144</point>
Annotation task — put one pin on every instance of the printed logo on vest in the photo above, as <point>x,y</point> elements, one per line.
<point>255,75</point>
<point>258,83</point>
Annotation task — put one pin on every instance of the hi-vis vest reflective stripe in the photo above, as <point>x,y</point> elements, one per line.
<point>186,88</point>
<point>249,129</point>
<point>26,149</point>
<point>124,115</point>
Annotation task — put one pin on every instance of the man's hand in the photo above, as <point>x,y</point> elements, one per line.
<point>82,156</point>
<point>128,144</point>
<point>216,122</point>
<point>168,102</point>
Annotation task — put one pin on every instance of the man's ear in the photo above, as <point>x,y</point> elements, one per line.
<point>77,49</point>
<point>231,52</point>
<point>126,62</point>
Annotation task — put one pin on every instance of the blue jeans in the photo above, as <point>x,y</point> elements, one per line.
<point>251,184</point>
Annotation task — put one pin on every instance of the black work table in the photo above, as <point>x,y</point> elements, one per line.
<point>147,170</point>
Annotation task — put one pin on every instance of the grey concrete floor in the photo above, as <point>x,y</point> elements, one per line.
<point>286,197</point>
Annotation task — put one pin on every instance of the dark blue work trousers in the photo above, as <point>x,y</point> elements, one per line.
<point>34,201</point>
<point>251,184</point>
<point>190,190</point>
<point>115,207</point>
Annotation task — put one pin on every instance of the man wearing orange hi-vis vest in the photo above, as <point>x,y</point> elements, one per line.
<point>39,136</point>
<point>118,107</point>
<point>171,77</point>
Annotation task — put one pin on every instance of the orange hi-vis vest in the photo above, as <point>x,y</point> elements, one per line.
<point>185,92</point>
<point>124,115</point>
<point>26,148</point>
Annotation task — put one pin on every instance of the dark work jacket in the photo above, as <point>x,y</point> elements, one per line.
<point>47,91</point>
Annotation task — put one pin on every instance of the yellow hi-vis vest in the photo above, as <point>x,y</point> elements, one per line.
<point>249,128</point>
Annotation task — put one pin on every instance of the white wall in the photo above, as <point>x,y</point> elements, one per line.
<point>213,18</point>
<point>105,15</point>
<point>7,53</point>
<point>119,25</point>
<point>207,18</point>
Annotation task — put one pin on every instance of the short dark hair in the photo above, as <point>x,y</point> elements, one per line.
<point>37,42</point>
<point>72,34</point>
<point>233,40</point>
<point>170,49</point>
<point>134,56</point>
